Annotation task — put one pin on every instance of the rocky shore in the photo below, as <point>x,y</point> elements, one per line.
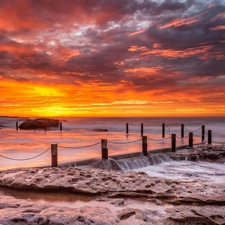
<point>207,153</point>
<point>192,201</point>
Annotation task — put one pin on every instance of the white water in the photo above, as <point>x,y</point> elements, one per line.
<point>161,165</point>
<point>187,170</point>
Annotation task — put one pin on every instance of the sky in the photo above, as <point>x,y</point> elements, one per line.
<point>112,58</point>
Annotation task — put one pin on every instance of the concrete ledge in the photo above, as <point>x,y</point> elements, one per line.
<point>87,162</point>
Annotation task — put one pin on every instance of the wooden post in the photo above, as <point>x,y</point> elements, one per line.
<point>54,153</point>
<point>209,137</point>
<point>60,126</point>
<point>17,126</point>
<point>190,139</point>
<point>142,129</point>
<point>127,129</point>
<point>163,130</point>
<point>145,145</point>
<point>182,130</point>
<point>104,149</point>
<point>173,144</point>
<point>203,133</point>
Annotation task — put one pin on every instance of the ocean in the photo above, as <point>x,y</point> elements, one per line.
<point>80,138</point>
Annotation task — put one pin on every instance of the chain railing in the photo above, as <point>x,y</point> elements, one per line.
<point>6,157</point>
<point>78,147</point>
<point>191,130</point>
<point>125,142</point>
<point>104,148</point>
<point>159,139</point>
<point>182,138</point>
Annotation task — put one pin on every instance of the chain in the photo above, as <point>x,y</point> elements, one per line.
<point>192,131</point>
<point>182,138</point>
<point>25,159</point>
<point>168,129</point>
<point>86,146</point>
<point>159,139</point>
<point>127,142</point>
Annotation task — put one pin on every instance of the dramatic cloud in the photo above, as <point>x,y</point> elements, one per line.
<point>112,58</point>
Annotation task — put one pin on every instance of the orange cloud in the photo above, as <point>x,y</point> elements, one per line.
<point>157,45</point>
<point>12,17</point>
<point>170,53</point>
<point>136,48</point>
<point>220,16</point>
<point>180,22</point>
<point>67,58</point>
<point>222,27</point>
<point>136,32</point>
<point>143,71</point>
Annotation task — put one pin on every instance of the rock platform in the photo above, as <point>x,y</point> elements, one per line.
<point>194,201</point>
<point>208,153</point>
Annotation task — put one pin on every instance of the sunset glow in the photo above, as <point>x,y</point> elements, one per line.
<point>112,58</point>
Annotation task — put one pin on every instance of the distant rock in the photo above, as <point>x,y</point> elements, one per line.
<point>63,120</point>
<point>100,130</point>
<point>40,123</point>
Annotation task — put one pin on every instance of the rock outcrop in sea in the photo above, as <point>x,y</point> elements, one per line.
<point>40,123</point>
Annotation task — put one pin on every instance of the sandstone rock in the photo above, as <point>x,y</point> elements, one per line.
<point>20,212</point>
<point>203,153</point>
<point>208,195</point>
<point>41,123</point>
<point>211,215</point>
<point>114,184</point>
<point>117,201</point>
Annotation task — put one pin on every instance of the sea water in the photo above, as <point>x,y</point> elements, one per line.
<point>79,139</point>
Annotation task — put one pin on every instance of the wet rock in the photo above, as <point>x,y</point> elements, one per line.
<point>42,123</point>
<point>114,184</point>
<point>211,215</point>
<point>204,153</point>
<point>117,201</point>
<point>157,201</point>
<point>29,213</point>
